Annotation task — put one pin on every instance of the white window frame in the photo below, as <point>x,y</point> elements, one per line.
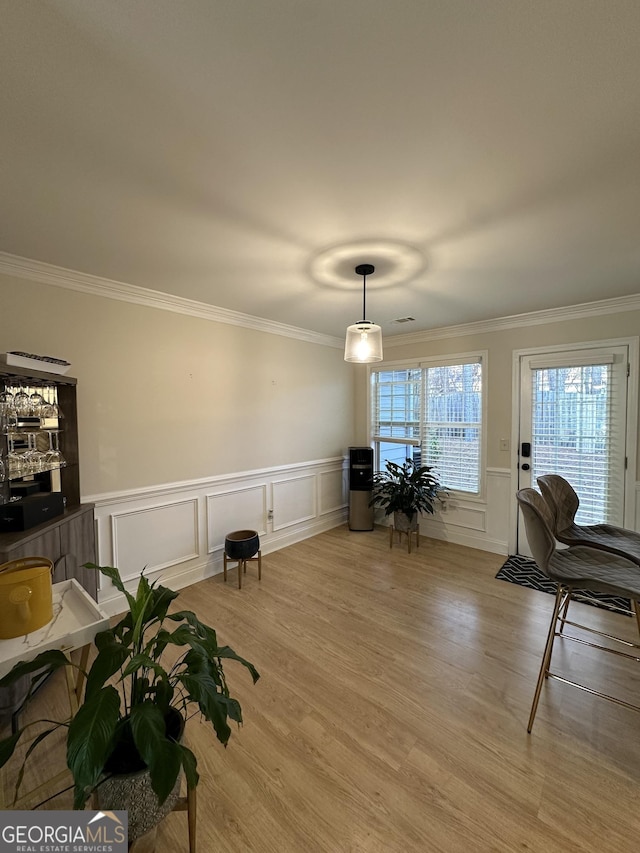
<point>442,361</point>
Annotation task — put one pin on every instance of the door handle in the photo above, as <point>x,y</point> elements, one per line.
<point>525,466</point>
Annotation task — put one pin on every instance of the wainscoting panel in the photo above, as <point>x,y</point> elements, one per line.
<point>155,537</point>
<point>177,530</point>
<point>293,501</point>
<point>331,491</point>
<point>469,517</point>
<point>482,524</point>
<point>235,509</point>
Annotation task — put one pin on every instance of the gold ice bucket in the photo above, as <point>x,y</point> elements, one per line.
<point>26,596</point>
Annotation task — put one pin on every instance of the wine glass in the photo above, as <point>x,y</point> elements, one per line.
<point>15,462</point>
<point>22,403</point>
<point>34,458</point>
<point>53,456</point>
<point>51,409</point>
<point>36,402</point>
<point>6,401</point>
<point>8,415</point>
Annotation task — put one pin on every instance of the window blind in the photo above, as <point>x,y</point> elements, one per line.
<point>395,415</point>
<point>578,431</point>
<point>396,405</point>
<point>452,423</point>
<point>432,413</point>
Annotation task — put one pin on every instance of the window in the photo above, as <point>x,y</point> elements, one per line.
<point>432,413</point>
<point>396,399</point>
<point>577,430</point>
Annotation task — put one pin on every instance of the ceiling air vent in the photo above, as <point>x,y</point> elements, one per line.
<point>404,320</point>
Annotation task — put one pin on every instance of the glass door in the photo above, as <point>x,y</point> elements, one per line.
<point>573,419</point>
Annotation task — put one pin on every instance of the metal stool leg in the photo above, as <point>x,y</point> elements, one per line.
<point>546,657</point>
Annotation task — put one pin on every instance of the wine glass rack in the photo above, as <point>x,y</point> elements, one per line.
<point>38,434</point>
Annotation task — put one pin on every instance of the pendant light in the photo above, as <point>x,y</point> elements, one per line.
<point>364,339</point>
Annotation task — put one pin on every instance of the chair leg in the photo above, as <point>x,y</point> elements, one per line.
<point>224,563</point>
<point>565,610</point>
<point>546,657</point>
<point>565,596</point>
<point>240,574</point>
<point>259,565</point>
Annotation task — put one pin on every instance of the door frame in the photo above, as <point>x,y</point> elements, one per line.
<point>631,434</point>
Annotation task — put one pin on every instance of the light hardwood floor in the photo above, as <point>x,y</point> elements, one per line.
<point>392,709</point>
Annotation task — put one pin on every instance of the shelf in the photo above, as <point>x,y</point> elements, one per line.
<point>44,470</point>
<point>57,366</point>
<point>40,432</point>
<point>36,377</point>
<point>67,539</point>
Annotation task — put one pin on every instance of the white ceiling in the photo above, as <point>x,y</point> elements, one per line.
<point>218,149</point>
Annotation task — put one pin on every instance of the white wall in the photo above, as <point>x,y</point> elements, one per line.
<point>189,427</point>
<point>175,410</point>
<point>164,397</point>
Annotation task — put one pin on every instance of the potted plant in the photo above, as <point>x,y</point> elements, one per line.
<point>406,490</point>
<point>135,700</point>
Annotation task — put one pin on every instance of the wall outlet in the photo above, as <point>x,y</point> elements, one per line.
<point>269,515</point>
<point>505,444</point>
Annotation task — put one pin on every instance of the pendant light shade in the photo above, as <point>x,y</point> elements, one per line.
<point>364,339</point>
<point>363,343</point>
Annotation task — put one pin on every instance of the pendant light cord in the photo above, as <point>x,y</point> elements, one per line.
<point>364,297</point>
<point>364,270</point>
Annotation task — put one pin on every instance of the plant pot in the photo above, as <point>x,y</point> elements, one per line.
<point>241,544</point>
<point>132,792</point>
<point>404,523</point>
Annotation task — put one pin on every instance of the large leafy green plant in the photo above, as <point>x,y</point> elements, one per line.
<point>407,488</point>
<point>131,693</point>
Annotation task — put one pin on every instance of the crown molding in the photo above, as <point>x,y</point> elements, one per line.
<point>85,283</point>
<point>44,273</point>
<point>514,321</point>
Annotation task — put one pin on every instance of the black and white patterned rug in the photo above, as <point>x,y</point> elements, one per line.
<point>525,572</point>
